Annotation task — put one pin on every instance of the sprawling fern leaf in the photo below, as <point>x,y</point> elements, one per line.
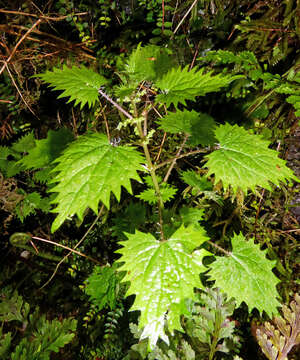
<point>162,275</point>
<point>88,171</point>
<point>257,283</point>
<point>179,85</point>
<point>244,60</point>
<point>244,160</point>
<point>102,286</point>
<point>46,337</point>
<point>80,84</point>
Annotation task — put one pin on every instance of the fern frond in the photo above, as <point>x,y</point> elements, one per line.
<point>245,59</point>
<point>80,84</point>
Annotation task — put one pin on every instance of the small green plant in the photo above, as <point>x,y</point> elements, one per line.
<point>162,265</point>
<point>208,329</point>
<point>40,337</point>
<point>277,340</point>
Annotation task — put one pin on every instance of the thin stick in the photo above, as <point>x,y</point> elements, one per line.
<point>18,90</point>
<point>75,247</point>
<point>186,14</point>
<point>58,18</point>
<point>66,247</point>
<point>161,146</point>
<point>180,157</point>
<point>19,43</point>
<point>106,123</point>
<point>175,159</point>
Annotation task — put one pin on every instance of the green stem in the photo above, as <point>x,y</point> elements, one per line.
<point>151,168</point>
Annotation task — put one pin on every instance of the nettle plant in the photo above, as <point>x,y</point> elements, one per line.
<point>163,267</point>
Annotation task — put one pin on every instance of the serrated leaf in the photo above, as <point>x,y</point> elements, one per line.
<point>89,170</point>
<point>162,275</point>
<point>179,85</point>
<point>198,125</point>
<point>80,84</point>
<point>47,150</point>
<point>129,219</point>
<point>191,215</point>
<point>195,180</point>
<point>246,274</point>
<point>28,205</point>
<point>167,192</point>
<point>148,63</point>
<point>244,160</point>
<point>24,144</point>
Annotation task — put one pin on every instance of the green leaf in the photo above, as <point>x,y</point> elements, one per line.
<point>24,144</point>
<point>12,167</point>
<point>129,219</point>
<point>80,84</point>
<point>5,343</point>
<point>191,215</point>
<point>44,337</point>
<point>246,274</point>
<point>244,160</point>
<point>200,183</point>
<point>179,85</point>
<point>47,150</point>
<point>28,205</point>
<point>88,171</point>
<point>102,286</point>
<point>162,275</point>
<point>148,63</point>
<point>199,126</point>
<point>12,307</point>
<point>167,192</point>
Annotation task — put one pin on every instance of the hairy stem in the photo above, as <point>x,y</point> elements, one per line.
<point>151,168</point>
<point>228,253</point>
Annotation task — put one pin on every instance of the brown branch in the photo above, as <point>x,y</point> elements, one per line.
<point>75,247</point>
<point>41,17</point>
<point>19,43</point>
<point>175,159</point>
<point>180,157</point>
<point>67,248</point>
<point>18,90</point>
